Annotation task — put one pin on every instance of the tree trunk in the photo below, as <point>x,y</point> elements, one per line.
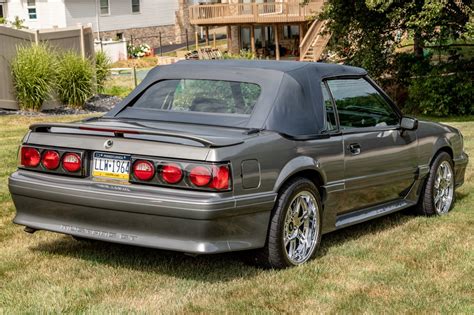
<point>418,45</point>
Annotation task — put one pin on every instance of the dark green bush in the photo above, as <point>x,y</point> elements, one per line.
<point>33,72</point>
<point>75,77</point>
<point>442,93</point>
<point>102,70</point>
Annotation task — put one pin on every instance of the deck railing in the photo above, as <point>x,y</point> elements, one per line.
<point>270,12</point>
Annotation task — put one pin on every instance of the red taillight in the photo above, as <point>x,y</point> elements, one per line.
<point>50,160</point>
<point>220,178</point>
<point>143,170</point>
<point>30,157</point>
<point>171,173</point>
<point>72,162</point>
<point>200,176</point>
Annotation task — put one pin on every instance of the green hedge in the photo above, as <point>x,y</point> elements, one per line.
<point>442,94</point>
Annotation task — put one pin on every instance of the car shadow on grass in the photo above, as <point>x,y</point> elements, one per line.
<point>207,268</point>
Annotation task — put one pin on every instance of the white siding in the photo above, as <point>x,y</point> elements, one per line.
<point>50,13</point>
<point>152,13</point>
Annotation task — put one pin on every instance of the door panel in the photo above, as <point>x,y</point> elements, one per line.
<point>383,170</point>
<point>380,162</point>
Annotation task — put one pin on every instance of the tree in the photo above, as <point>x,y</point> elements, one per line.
<point>365,32</point>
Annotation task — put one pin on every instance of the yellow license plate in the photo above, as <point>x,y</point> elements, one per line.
<point>111,166</point>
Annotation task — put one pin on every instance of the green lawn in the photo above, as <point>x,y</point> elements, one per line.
<point>400,263</point>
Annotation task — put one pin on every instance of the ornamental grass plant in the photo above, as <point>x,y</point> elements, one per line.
<point>34,75</point>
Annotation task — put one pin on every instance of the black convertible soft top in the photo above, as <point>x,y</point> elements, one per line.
<point>290,103</point>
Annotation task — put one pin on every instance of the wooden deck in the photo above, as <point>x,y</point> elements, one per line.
<point>254,13</point>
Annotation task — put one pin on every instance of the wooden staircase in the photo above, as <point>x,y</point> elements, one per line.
<point>314,42</point>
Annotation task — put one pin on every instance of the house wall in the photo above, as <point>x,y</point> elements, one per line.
<point>168,17</point>
<point>152,13</point>
<point>50,13</point>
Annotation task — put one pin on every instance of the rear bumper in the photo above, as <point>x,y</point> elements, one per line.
<point>193,222</point>
<point>460,166</point>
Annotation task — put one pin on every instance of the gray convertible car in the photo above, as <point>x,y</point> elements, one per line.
<point>217,156</point>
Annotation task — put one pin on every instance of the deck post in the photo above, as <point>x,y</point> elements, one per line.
<point>214,44</point>
<point>277,45</point>
<point>302,34</point>
<point>229,39</point>
<point>37,37</point>
<point>83,48</point>
<point>196,38</point>
<point>252,39</point>
<point>264,36</point>
<point>207,35</point>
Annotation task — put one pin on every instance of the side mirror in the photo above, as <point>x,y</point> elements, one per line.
<point>408,123</point>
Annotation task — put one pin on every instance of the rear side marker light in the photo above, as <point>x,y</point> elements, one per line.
<point>200,176</point>
<point>72,162</point>
<point>30,157</point>
<point>50,160</point>
<point>171,173</point>
<point>143,170</point>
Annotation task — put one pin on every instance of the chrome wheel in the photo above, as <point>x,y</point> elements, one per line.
<point>301,228</point>
<point>443,192</point>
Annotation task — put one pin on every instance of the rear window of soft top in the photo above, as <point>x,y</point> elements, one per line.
<point>200,96</point>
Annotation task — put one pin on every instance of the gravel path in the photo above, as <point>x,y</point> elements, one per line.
<point>97,104</point>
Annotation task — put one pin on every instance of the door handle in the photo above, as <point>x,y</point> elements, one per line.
<point>354,148</point>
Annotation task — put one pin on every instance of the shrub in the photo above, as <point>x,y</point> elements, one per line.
<point>243,54</point>
<point>74,79</point>
<point>102,68</point>
<point>139,51</point>
<point>33,75</point>
<point>442,94</point>
<point>18,23</point>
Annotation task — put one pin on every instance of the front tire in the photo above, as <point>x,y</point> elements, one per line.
<point>295,229</point>
<point>438,196</point>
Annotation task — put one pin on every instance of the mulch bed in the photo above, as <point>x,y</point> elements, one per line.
<point>97,104</point>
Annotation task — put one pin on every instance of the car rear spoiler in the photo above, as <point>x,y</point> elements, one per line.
<point>65,128</point>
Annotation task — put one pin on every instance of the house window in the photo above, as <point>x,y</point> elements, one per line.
<point>104,7</point>
<point>135,6</point>
<point>31,5</point>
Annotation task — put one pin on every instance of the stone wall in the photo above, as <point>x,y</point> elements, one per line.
<point>144,35</point>
<point>170,34</point>
<point>182,22</point>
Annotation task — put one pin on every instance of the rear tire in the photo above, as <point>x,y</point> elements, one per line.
<point>294,233</point>
<point>438,196</point>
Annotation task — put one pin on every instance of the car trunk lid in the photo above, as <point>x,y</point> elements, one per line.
<point>139,138</point>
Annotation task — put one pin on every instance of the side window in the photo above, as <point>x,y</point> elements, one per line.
<point>135,6</point>
<point>360,105</point>
<point>331,124</point>
<point>31,4</point>
<point>104,7</point>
